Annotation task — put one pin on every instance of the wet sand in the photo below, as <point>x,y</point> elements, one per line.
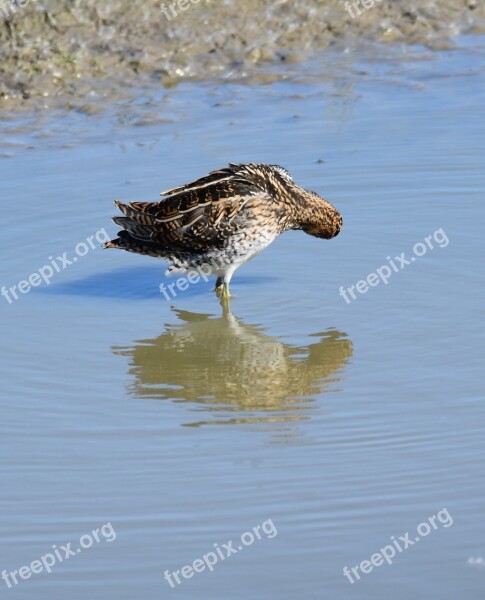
<point>79,55</point>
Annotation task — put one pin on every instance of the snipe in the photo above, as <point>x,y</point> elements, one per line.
<point>222,220</point>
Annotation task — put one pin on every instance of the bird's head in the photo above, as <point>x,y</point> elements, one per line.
<point>319,218</point>
<point>306,210</point>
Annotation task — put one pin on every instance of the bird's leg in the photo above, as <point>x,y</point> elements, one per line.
<point>223,291</point>
<point>222,288</point>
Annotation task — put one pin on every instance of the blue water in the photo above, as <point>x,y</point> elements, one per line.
<point>185,425</point>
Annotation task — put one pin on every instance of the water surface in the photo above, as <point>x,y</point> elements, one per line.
<point>185,424</point>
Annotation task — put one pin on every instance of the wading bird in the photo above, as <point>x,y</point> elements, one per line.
<point>220,221</point>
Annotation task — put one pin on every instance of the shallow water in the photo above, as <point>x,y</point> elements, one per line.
<point>186,425</point>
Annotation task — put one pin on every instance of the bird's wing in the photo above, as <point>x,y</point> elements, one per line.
<point>196,216</point>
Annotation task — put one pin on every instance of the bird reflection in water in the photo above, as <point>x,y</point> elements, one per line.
<point>225,366</point>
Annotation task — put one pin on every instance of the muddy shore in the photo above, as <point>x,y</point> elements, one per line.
<point>64,53</point>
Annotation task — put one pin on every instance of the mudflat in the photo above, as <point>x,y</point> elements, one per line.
<point>59,53</point>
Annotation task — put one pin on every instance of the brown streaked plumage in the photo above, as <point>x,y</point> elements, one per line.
<point>220,221</point>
